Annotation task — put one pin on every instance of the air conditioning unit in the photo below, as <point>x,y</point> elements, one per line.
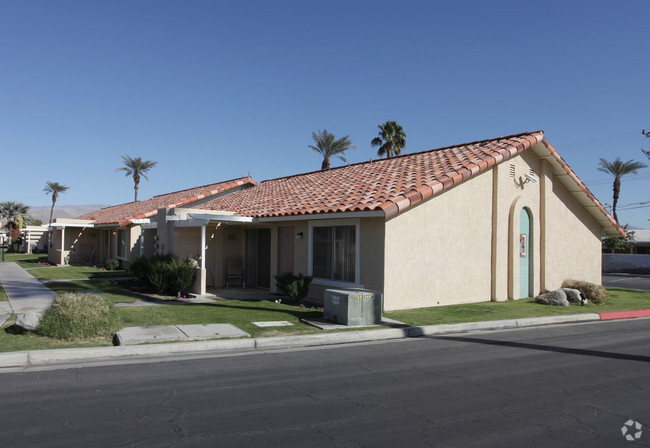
<point>352,306</point>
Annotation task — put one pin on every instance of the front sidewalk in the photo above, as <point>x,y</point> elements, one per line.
<point>25,292</point>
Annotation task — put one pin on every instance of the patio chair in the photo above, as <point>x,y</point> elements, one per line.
<point>234,271</point>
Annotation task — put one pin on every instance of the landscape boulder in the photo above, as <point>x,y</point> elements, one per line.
<point>555,298</point>
<point>575,296</point>
<point>29,321</point>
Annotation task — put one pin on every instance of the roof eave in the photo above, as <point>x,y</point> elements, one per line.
<point>586,198</point>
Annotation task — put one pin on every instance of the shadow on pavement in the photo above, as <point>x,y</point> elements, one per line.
<point>547,348</point>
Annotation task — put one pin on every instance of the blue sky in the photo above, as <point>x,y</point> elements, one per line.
<point>214,90</point>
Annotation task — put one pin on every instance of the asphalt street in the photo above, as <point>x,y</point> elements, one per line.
<point>631,281</point>
<point>571,385</point>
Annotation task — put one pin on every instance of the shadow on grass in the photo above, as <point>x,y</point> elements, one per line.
<point>103,275</point>
<point>297,313</point>
<point>15,329</point>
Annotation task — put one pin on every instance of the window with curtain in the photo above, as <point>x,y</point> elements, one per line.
<point>334,253</point>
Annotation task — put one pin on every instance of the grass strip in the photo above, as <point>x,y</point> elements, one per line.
<point>76,272</point>
<point>26,260</point>
<point>237,312</point>
<point>110,289</point>
<point>243,313</point>
<point>619,299</point>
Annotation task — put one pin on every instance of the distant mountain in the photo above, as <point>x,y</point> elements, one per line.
<point>42,212</point>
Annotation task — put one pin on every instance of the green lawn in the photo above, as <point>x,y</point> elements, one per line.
<point>237,312</point>
<point>3,296</point>
<point>27,261</point>
<point>618,300</point>
<point>75,272</point>
<point>10,341</point>
<point>243,313</point>
<point>109,288</point>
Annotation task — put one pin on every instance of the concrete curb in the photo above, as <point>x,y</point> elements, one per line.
<point>35,358</point>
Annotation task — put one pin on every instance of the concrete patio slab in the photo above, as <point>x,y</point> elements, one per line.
<point>142,335</point>
<point>212,331</point>
<point>168,333</point>
<point>272,323</point>
<point>3,318</point>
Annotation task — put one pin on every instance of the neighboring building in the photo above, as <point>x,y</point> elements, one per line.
<point>124,231</point>
<point>490,220</point>
<point>641,243</point>
<point>35,239</point>
<point>635,259</point>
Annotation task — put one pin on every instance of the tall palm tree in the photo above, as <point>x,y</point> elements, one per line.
<point>54,188</point>
<point>328,146</point>
<point>137,168</point>
<point>12,211</point>
<point>391,140</point>
<point>618,169</point>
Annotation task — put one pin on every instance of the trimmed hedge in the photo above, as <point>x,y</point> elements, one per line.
<point>79,316</point>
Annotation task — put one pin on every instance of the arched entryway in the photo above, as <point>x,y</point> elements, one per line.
<point>525,254</point>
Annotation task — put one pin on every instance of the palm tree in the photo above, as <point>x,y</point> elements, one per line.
<point>12,211</point>
<point>136,167</point>
<point>328,146</point>
<point>391,140</point>
<point>54,188</point>
<point>618,169</point>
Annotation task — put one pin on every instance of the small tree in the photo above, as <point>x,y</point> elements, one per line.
<point>54,188</point>
<point>12,211</point>
<point>391,139</point>
<point>328,146</point>
<point>137,168</point>
<point>613,243</point>
<point>618,169</point>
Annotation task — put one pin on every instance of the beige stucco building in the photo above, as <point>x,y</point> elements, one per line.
<point>492,220</point>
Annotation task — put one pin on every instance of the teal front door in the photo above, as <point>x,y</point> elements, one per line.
<point>524,254</point>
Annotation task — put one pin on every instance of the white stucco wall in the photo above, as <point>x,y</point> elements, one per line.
<point>438,252</point>
<point>463,245</point>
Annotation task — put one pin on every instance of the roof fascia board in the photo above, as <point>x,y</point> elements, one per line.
<point>191,223</point>
<point>209,217</point>
<point>319,216</point>
<point>570,180</point>
<point>71,224</point>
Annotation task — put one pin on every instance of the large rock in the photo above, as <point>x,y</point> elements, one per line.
<point>29,321</point>
<point>572,295</point>
<point>555,298</point>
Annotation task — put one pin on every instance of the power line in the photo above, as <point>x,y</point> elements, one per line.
<point>611,180</point>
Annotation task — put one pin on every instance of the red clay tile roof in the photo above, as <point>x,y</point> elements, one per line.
<point>125,213</point>
<point>391,185</point>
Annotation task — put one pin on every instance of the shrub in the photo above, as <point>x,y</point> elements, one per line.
<point>139,268</point>
<point>79,316</point>
<point>181,276</point>
<point>112,264</point>
<point>596,294</point>
<point>157,275</point>
<point>296,287</point>
<point>165,274</point>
